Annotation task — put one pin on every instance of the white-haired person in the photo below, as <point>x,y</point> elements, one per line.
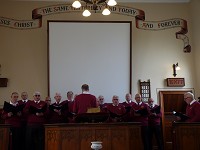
<point>13,117</point>
<point>116,110</point>
<point>193,108</point>
<point>58,110</point>
<point>36,111</point>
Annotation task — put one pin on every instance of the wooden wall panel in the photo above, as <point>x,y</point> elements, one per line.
<point>4,136</point>
<point>186,136</point>
<point>118,136</point>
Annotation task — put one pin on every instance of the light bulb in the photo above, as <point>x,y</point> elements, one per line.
<point>106,11</point>
<point>86,13</point>
<point>112,3</point>
<point>178,68</point>
<point>76,4</point>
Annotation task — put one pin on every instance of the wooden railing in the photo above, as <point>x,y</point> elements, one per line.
<point>115,136</point>
<point>4,136</point>
<point>186,136</point>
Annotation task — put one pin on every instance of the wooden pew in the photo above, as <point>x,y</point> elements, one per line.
<point>4,136</point>
<point>186,136</point>
<point>115,136</point>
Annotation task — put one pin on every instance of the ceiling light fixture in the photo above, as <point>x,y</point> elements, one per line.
<point>95,3</point>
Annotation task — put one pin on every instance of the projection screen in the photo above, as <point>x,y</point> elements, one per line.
<point>93,53</point>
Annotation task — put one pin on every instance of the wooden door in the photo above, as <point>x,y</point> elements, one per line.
<point>169,101</point>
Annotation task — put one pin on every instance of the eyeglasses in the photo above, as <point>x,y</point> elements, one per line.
<point>115,99</point>
<point>186,98</point>
<point>37,95</point>
<point>15,96</point>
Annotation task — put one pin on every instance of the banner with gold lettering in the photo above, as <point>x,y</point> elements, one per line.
<point>139,15</point>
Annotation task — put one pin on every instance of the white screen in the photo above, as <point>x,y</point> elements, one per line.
<point>95,53</point>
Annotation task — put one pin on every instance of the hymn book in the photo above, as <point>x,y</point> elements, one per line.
<point>142,112</point>
<point>58,107</point>
<point>34,110</point>
<point>14,109</point>
<point>155,110</point>
<point>182,116</point>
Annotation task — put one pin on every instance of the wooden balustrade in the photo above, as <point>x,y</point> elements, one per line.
<point>186,136</point>
<point>4,136</point>
<point>115,136</point>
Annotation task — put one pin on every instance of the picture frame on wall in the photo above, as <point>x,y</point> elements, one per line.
<point>175,82</point>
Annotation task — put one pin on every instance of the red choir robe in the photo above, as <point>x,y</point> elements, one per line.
<point>32,118</point>
<point>140,113</point>
<point>82,102</point>
<point>193,112</point>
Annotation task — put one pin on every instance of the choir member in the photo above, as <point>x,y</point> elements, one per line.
<point>155,124</point>
<point>12,115</point>
<point>193,108</point>
<point>48,101</point>
<point>36,111</point>
<point>101,104</point>
<point>128,105</point>
<point>58,110</point>
<point>116,110</point>
<point>23,101</point>
<point>140,113</point>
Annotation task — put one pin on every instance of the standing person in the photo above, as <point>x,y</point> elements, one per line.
<point>128,105</point>
<point>36,111</point>
<point>24,98</point>
<point>58,110</point>
<point>193,108</point>
<point>12,116</point>
<point>154,124</point>
<point>23,101</point>
<point>84,101</point>
<point>70,96</point>
<point>140,114</point>
<point>101,104</point>
<point>48,101</point>
<point>128,102</point>
<point>116,110</point>
<point>70,105</point>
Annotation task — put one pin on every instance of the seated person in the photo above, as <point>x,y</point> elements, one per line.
<point>116,110</point>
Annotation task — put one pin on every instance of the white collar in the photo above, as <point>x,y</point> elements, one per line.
<point>192,101</point>
<point>86,92</point>
<point>37,101</point>
<point>151,105</point>
<point>128,102</point>
<point>14,104</point>
<point>115,105</point>
<point>24,100</point>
